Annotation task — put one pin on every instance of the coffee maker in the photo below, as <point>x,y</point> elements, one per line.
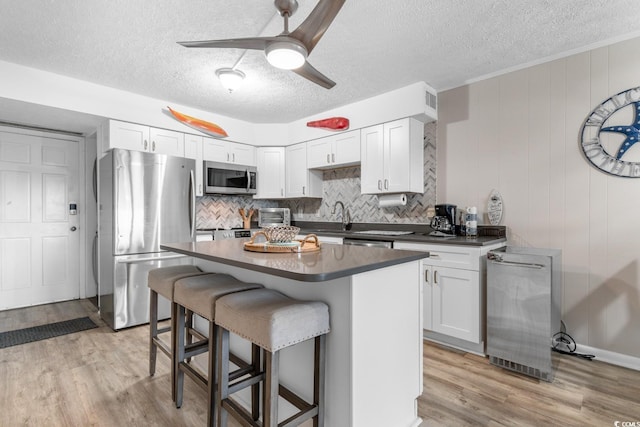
<point>445,219</point>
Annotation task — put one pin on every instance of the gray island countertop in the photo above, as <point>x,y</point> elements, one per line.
<point>330,262</point>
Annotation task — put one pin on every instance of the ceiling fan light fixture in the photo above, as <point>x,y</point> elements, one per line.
<point>286,55</point>
<point>229,78</point>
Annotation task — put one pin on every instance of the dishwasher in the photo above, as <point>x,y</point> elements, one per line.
<point>524,300</point>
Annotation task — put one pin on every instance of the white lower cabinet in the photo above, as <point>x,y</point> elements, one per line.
<point>455,295</point>
<point>454,282</point>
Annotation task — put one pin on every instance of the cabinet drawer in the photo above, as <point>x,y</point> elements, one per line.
<point>453,256</point>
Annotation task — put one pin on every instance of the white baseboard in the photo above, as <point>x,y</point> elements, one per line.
<point>619,359</point>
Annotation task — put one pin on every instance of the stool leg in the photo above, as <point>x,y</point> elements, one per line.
<point>211,374</point>
<point>189,326</point>
<point>222,374</point>
<point>174,321</point>
<point>319,365</point>
<point>255,389</point>
<point>153,330</point>
<point>271,386</point>
<point>179,355</point>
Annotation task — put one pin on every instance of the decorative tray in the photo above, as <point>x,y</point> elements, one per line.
<point>308,244</point>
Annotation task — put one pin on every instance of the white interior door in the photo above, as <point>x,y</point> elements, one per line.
<point>39,239</point>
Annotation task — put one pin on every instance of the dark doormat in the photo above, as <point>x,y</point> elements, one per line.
<point>42,332</point>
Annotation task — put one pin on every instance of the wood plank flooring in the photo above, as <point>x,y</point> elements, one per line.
<point>100,378</point>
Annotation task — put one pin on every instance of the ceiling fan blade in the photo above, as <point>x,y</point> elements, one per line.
<point>310,73</point>
<point>245,43</point>
<point>312,29</point>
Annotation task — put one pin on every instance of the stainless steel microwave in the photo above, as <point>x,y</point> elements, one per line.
<point>228,178</point>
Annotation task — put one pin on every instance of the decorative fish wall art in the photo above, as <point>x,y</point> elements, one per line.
<point>332,123</point>
<point>198,124</point>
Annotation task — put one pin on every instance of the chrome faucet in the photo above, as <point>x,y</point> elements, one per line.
<point>344,216</point>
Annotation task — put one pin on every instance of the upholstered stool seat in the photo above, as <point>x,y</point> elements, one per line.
<point>161,282</point>
<point>273,321</point>
<point>199,295</point>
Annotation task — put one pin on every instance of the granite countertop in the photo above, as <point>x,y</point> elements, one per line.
<point>330,262</point>
<point>420,233</point>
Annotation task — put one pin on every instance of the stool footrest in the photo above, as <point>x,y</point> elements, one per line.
<point>196,333</point>
<point>242,384</point>
<point>307,410</point>
<point>196,376</point>
<point>162,346</point>
<point>196,348</point>
<point>163,330</point>
<point>241,372</point>
<point>239,412</point>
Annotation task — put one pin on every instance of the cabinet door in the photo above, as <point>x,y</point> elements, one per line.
<point>128,136</point>
<point>319,153</point>
<point>427,298</point>
<point>296,167</point>
<point>271,173</point>
<point>346,149</point>
<point>456,308</point>
<point>193,150</point>
<point>214,150</point>
<point>372,156</point>
<point>396,170</point>
<point>166,142</point>
<point>242,154</point>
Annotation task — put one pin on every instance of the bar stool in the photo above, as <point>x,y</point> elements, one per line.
<point>161,281</point>
<point>199,295</point>
<point>272,321</point>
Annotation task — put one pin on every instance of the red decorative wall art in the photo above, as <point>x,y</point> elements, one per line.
<point>332,123</point>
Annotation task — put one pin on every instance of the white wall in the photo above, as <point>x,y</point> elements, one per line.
<point>518,133</point>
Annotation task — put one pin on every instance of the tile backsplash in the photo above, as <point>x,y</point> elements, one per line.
<point>338,185</point>
<point>344,185</point>
<point>222,211</point>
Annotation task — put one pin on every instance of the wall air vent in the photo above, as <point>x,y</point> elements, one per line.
<point>431,100</point>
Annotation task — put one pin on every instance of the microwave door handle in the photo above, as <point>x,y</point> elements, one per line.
<point>248,180</point>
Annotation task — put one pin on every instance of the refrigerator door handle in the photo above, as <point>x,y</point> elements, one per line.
<point>192,204</point>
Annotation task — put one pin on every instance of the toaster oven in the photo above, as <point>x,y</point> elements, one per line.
<point>269,217</point>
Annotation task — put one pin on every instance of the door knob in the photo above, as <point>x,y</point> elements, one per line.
<point>73,228</point>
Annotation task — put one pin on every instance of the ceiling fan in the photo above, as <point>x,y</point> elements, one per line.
<point>289,50</point>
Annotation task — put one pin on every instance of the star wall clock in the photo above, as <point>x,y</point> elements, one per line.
<point>619,116</point>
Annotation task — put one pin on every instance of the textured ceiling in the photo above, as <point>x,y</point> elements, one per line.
<point>373,46</point>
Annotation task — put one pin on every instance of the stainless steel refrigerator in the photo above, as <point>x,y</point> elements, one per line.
<point>524,301</point>
<point>145,200</point>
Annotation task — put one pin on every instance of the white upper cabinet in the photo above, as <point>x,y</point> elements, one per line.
<point>300,181</point>
<point>193,150</point>
<point>334,151</point>
<point>271,173</point>
<point>166,142</point>
<point>131,136</point>
<point>217,150</point>
<point>392,157</point>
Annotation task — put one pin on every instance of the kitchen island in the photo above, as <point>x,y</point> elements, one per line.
<point>374,349</point>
